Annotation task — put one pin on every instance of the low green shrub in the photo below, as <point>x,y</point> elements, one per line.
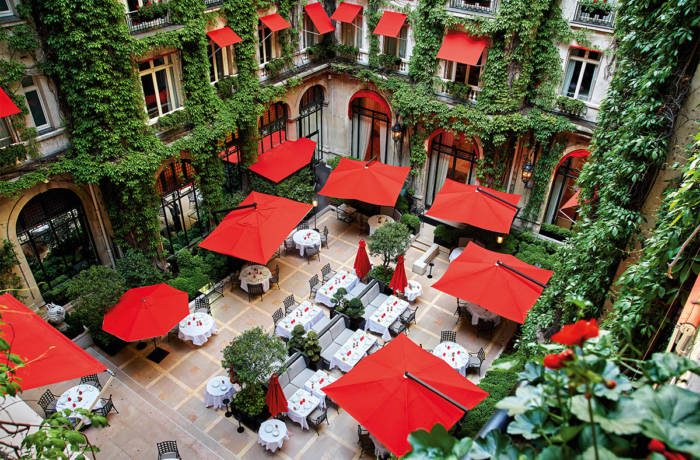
<point>192,274</point>
<point>535,254</point>
<point>411,221</point>
<point>138,270</point>
<point>298,187</point>
<point>333,161</point>
<point>296,341</point>
<point>448,235</point>
<point>250,400</point>
<point>402,204</point>
<point>382,274</point>
<point>555,231</point>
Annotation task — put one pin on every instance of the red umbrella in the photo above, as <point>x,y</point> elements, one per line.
<point>49,356</point>
<point>371,182</point>
<point>475,205</point>
<point>255,230</point>
<point>146,312</point>
<point>392,393</point>
<point>497,282</point>
<point>362,264</point>
<point>398,280</point>
<point>275,399</point>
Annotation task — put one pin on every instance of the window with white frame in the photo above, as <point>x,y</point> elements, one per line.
<point>135,5</point>
<point>463,73</point>
<point>310,37</point>
<point>351,34</point>
<point>5,8</point>
<point>5,136</point>
<point>37,112</point>
<point>397,46</point>
<point>265,37</point>
<point>581,72</point>
<point>160,85</point>
<point>222,62</point>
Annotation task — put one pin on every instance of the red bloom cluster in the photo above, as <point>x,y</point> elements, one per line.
<point>557,360</point>
<point>577,333</point>
<point>657,446</point>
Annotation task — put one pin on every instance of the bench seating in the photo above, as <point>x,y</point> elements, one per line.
<point>294,375</point>
<point>420,266</point>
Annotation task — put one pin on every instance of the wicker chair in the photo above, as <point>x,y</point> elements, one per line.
<point>317,417</point>
<point>324,237</point>
<point>476,360</point>
<point>201,305</point>
<point>448,336</point>
<point>290,304</point>
<point>314,284</point>
<point>168,450</point>
<point>255,290</point>
<point>409,316</point>
<point>327,272</point>
<point>275,278</point>
<point>47,401</point>
<point>91,380</point>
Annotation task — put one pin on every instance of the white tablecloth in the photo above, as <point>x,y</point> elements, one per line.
<point>341,279</point>
<point>413,290</point>
<point>377,221</point>
<point>218,388</point>
<point>197,328</point>
<point>300,405</point>
<point>453,354</point>
<point>379,449</point>
<point>272,434</point>
<point>386,314</point>
<point>456,252</point>
<point>306,314</point>
<point>306,239</point>
<point>481,313</point>
<point>353,350</point>
<point>316,383</point>
<point>79,397</point>
<point>255,274</point>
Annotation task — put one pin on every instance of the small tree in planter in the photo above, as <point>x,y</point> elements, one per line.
<point>312,349</point>
<point>338,301</point>
<point>354,310</point>
<point>296,341</point>
<point>389,241</point>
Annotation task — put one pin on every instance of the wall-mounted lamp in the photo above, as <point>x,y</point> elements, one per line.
<point>397,137</point>
<point>499,239</point>
<point>528,169</point>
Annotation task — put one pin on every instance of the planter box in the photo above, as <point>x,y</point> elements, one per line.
<point>253,423</point>
<point>84,339</point>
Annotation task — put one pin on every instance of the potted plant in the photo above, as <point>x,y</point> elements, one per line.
<point>296,341</point>
<point>338,300</point>
<point>354,310</point>
<point>388,241</point>
<point>312,350</point>
<point>446,236</point>
<point>249,406</point>
<point>412,222</point>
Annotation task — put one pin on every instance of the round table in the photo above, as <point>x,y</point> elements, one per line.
<point>377,221</point>
<point>304,239</point>
<point>413,290</point>
<point>272,434</point>
<point>79,397</point>
<point>453,354</point>
<point>255,274</point>
<point>218,388</point>
<point>481,313</point>
<point>197,328</point>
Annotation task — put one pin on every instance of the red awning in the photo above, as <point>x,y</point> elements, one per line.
<point>255,230</point>
<point>49,356</point>
<point>390,24</point>
<point>372,182</point>
<point>571,202</point>
<point>284,160</point>
<point>275,22</point>
<point>231,156</point>
<point>494,281</point>
<point>224,37</point>
<point>462,48</point>
<point>386,109</point>
<point>346,12</point>
<point>7,107</point>
<point>580,153</point>
<point>319,17</point>
<point>377,393</point>
<point>475,205</point>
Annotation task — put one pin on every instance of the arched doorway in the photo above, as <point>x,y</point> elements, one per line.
<point>449,157</point>
<point>562,190</point>
<point>371,119</point>
<point>311,117</point>
<point>181,220</point>
<point>55,238</point>
<point>273,126</point>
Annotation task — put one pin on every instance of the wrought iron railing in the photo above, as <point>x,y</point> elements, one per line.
<point>138,25</point>
<point>459,91</point>
<point>594,17</point>
<point>210,3</point>
<point>473,6</point>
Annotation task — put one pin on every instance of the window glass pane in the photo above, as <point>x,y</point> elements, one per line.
<point>473,76</point>
<point>572,74</point>
<point>212,62</point>
<point>461,73</point>
<point>403,41</point>
<point>594,55</point>
<point>390,46</point>
<point>357,26</point>
<point>4,134</point>
<point>448,70</point>
<point>35,108</point>
<point>163,96</point>
<point>578,52</point>
<point>4,7</point>
<point>268,44</point>
<point>219,60</point>
<point>149,93</point>
<point>584,92</point>
<point>145,65</point>
<point>309,35</point>
<point>261,47</point>
<point>159,61</point>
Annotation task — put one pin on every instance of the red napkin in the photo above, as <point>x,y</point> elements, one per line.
<point>330,288</point>
<point>73,404</point>
<point>321,381</point>
<point>383,315</point>
<point>306,309</point>
<point>395,302</point>
<point>343,276</point>
<point>349,352</point>
<point>293,321</point>
<point>302,401</point>
<point>443,354</point>
<point>362,338</point>
<point>69,398</point>
<point>458,351</point>
<point>448,347</point>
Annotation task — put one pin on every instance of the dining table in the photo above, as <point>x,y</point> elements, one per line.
<point>255,274</point>
<point>305,314</point>
<point>353,350</point>
<point>479,313</point>
<point>413,290</point>
<point>453,354</point>
<point>300,405</point>
<point>388,312</point>
<point>197,328</point>
<point>377,221</point>
<point>317,382</point>
<point>272,434</point>
<point>306,239</point>
<point>342,279</point>
<point>217,390</point>
<point>82,396</point>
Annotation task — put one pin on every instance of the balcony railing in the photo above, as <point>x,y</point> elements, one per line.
<point>473,6</point>
<point>212,3</point>
<point>459,91</point>
<point>592,17</point>
<point>138,25</point>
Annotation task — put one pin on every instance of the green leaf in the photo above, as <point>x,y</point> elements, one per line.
<point>662,367</point>
<point>531,424</point>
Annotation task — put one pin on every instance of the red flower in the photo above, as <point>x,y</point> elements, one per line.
<point>657,446</point>
<point>577,333</point>
<point>557,361</point>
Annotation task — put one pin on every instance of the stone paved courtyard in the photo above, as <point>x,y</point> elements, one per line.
<point>165,401</point>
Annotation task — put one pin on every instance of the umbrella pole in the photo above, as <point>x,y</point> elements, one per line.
<point>435,390</point>
<point>518,272</point>
<point>480,190</point>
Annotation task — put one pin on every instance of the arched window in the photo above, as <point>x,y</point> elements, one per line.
<point>273,127</point>
<point>180,218</point>
<point>561,204</point>
<point>370,127</point>
<point>231,154</point>
<point>311,117</point>
<point>449,158</point>
<point>55,238</point>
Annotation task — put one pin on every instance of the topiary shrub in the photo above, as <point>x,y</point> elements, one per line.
<point>312,349</point>
<point>192,274</point>
<point>412,222</point>
<point>555,231</point>
<point>296,341</point>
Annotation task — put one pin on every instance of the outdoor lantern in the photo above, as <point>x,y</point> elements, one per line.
<point>527,173</point>
<point>499,239</point>
<point>396,136</point>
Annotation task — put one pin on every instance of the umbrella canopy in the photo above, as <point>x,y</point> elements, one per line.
<point>257,228</point>
<point>500,283</point>
<point>146,312</point>
<point>275,399</point>
<point>571,202</point>
<point>49,356</point>
<point>378,395</point>
<point>371,182</point>
<point>362,264</point>
<point>398,280</point>
<point>475,205</point>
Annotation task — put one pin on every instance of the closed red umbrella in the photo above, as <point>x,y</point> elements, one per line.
<point>275,399</point>
<point>392,393</point>
<point>370,182</point>
<point>146,312</point>
<point>255,229</point>
<point>398,280</point>
<point>475,205</point>
<point>48,356</point>
<point>362,264</point>
<point>500,283</point>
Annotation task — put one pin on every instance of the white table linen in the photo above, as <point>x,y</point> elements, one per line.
<point>304,239</point>
<point>341,279</point>
<point>197,328</point>
<point>218,388</point>
<point>306,314</point>
<point>456,252</point>
<point>353,350</point>
<point>377,221</point>
<point>481,313</point>
<point>79,397</point>
<point>316,383</point>
<point>387,313</point>
<point>300,405</point>
<point>413,290</point>
<point>272,434</point>
<point>255,274</point>
<point>453,354</point>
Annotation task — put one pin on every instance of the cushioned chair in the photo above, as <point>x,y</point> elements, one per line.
<point>448,336</point>
<point>289,246</point>
<point>168,450</point>
<point>320,324</point>
<point>409,316</point>
<point>312,252</point>
<point>378,300</point>
<point>396,328</point>
<point>343,337</point>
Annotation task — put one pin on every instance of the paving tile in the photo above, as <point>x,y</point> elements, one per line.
<point>195,372</point>
<point>224,432</point>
